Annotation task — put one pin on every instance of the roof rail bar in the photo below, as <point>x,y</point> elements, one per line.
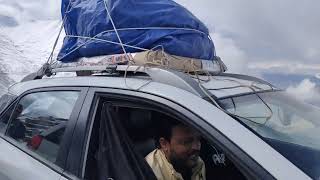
<point>161,75</point>
<point>250,78</point>
<point>48,70</point>
<point>177,79</point>
<point>44,70</point>
<point>85,68</point>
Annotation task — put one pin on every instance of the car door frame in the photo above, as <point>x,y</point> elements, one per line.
<point>67,137</point>
<point>79,146</point>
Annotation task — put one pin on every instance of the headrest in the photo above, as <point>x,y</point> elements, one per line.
<point>140,119</point>
<point>145,147</point>
<point>140,124</point>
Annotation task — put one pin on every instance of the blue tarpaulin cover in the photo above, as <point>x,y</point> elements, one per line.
<point>141,23</point>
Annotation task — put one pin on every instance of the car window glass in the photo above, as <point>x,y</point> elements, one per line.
<point>5,100</point>
<point>39,121</point>
<point>4,118</point>
<point>292,127</point>
<point>252,108</point>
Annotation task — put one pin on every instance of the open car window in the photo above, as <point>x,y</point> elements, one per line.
<point>126,133</point>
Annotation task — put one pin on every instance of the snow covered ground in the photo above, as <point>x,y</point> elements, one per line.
<point>24,48</point>
<point>27,34</point>
<point>27,30</point>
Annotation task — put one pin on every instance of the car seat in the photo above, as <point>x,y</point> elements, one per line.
<point>17,130</point>
<point>140,129</point>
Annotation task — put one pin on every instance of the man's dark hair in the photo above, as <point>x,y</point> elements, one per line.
<point>164,128</point>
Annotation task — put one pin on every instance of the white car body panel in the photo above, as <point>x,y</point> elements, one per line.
<point>17,165</point>
<point>277,165</point>
<point>265,155</point>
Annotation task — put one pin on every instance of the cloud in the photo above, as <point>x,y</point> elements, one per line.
<point>282,32</point>
<point>31,10</point>
<point>306,91</point>
<point>284,66</point>
<point>233,57</point>
<point>250,36</point>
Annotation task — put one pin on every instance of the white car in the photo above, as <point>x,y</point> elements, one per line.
<point>83,127</point>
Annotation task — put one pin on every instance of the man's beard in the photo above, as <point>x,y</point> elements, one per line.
<point>184,164</point>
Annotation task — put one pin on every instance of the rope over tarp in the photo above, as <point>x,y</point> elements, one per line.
<point>141,25</point>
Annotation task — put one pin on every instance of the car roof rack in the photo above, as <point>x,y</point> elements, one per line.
<point>166,76</point>
<point>249,78</point>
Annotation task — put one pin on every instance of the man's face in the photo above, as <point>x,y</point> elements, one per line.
<point>184,147</point>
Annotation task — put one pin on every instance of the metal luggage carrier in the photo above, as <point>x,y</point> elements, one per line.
<point>205,86</point>
<point>165,76</point>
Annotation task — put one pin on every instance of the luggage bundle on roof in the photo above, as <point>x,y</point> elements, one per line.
<point>151,59</point>
<point>161,33</point>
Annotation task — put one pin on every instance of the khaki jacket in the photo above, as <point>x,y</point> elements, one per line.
<point>165,171</point>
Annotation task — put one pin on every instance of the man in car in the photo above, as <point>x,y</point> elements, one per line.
<point>177,155</point>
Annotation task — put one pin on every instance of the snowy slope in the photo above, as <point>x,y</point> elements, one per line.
<point>28,30</point>
<point>9,53</point>
<point>23,49</point>
<point>13,61</point>
<point>36,39</point>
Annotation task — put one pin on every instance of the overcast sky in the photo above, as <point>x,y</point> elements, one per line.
<point>252,37</point>
<point>271,35</point>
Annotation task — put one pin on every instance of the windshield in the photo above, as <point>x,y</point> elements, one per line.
<point>290,126</point>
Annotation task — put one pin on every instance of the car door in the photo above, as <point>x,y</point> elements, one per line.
<point>36,130</point>
<point>254,158</point>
